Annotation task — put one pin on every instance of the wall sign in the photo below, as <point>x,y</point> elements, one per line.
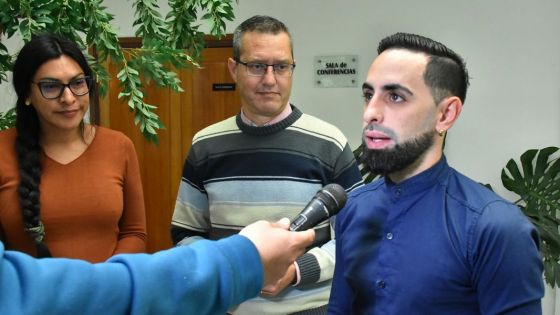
<point>336,71</point>
<point>223,87</point>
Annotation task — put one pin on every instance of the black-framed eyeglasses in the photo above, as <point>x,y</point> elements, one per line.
<point>53,89</point>
<point>258,69</point>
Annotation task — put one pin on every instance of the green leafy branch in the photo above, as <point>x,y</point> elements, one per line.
<point>5,63</point>
<point>150,23</point>
<point>182,18</point>
<point>8,119</point>
<point>218,11</point>
<point>144,116</point>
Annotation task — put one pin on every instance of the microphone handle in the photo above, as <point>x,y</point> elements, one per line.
<point>315,212</point>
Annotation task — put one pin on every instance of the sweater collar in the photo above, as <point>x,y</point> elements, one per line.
<point>269,129</point>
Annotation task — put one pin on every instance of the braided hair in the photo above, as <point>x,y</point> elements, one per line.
<point>28,148</point>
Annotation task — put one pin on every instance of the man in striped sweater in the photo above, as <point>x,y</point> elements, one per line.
<point>267,162</point>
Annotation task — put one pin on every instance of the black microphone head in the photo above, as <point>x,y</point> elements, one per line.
<point>326,203</point>
<point>333,196</point>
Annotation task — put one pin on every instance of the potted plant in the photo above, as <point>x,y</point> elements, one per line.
<point>537,182</point>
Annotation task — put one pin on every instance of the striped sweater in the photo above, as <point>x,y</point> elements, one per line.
<point>236,174</point>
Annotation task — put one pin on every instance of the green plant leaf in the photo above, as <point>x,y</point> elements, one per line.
<point>527,165</point>
<point>538,186</point>
<point>8,119</point>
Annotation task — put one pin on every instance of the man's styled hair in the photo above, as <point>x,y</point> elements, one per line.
<point>260,24</point>
<point>446,72</point>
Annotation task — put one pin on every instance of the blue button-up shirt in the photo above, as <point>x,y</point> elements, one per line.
<point>436,243</point>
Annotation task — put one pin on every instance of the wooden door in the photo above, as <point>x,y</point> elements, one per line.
<point>210,102</point>
<point>202,103</point>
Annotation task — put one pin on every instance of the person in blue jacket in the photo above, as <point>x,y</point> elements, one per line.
<point>206,277</point>
<point>425,239</point>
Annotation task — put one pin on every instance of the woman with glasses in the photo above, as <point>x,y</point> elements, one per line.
<point>67,188</point>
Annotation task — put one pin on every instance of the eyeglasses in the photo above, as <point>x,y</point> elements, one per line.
<point>54,89</point>
<point>258,69</point>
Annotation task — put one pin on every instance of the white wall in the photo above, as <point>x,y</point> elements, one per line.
<point>512,50</point>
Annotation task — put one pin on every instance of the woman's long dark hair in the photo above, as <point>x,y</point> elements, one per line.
<point>35,53</point>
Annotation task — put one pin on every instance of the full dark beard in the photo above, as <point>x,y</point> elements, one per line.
<point>386,161</point>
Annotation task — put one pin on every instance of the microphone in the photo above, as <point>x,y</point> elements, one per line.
<point>326,203</point>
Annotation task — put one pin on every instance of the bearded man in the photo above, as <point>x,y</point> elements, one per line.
<point>425,239</point>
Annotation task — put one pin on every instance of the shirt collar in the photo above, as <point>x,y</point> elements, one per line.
<point>285,113</point>
<point>422,181</point>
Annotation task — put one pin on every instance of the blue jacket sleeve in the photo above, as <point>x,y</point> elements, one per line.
<point>207,277</point>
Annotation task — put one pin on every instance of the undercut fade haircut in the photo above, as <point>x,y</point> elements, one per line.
<point>446,73</point>
<point>261,24</point>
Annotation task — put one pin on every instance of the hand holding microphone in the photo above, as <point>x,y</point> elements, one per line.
<point>279,249</point>
<point>326,203</point>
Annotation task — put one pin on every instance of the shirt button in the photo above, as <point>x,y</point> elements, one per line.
<point>398,192</point>
<point>381,284</point>
<point>389,236</point>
